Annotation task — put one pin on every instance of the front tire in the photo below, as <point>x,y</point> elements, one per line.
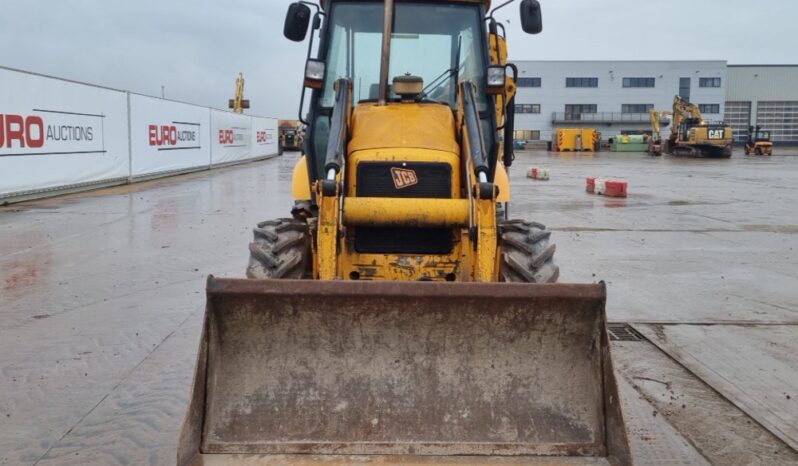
<point>281,249</point>
<point>526,254</point>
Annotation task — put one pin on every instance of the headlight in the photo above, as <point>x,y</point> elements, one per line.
<point>314,73</point>
<point>495,79</point>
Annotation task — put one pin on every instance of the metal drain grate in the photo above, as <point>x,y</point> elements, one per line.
<point>623,332</point>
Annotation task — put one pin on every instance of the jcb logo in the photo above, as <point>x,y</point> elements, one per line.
<point>716,134</point>
<point>402,177</point>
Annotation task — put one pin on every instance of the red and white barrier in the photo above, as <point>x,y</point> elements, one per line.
<point>605,187</point>
<point>536,173</point>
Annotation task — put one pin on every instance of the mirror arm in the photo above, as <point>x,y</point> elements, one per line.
<point>318,10</point>
<point>499,7</point>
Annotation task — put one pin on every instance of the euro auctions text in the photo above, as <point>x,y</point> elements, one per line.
<point>47,132</point>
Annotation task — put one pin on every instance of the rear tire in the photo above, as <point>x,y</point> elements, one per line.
<point>281,249</point>
<point>526,254</point>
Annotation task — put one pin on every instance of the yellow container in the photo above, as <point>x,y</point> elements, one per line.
<point>576,139</point>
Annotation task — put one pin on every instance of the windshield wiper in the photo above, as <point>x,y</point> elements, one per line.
<point>443,77</point>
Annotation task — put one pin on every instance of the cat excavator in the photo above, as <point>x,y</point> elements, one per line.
<point>399,316</point>
<point>659,118</point>
<point>693,136</point>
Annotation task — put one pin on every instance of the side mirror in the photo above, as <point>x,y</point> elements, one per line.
<point>531,18</point>
<point>296,22</point>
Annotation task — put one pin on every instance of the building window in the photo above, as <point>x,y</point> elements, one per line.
<point>684,89</point>
<point>638,82</point>
<point>709,108</point>
<point>709,82</point>
<point>581,108</point>
<point>528,82</point>
<point>526,135</point>
<point>575,111</point>
<point>581,82</point>
<point>636,108</point>
<point>527,108</point>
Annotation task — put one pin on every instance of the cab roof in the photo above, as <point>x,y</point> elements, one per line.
<point>324,3</point>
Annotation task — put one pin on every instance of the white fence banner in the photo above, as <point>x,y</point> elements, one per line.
<point>230,137</point>
<point>264,136</point>
<point>56,133</point>
<point>168,136</point>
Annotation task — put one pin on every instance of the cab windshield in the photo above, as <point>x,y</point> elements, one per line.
<point>441,43</point>
<point>438,42</point>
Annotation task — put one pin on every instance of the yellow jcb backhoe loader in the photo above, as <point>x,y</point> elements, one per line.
<point>398,317</point>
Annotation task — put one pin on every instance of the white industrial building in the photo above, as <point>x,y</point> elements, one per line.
<point>764,95</point>
<point>614,96</point>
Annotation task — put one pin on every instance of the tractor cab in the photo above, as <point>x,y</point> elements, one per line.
<point>429,50</point>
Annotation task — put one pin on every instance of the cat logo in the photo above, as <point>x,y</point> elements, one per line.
<point>716,134</point>
<point>402,177</point>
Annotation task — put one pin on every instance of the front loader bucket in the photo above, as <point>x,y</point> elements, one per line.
<point>343,372</point>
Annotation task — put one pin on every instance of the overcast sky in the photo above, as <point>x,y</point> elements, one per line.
<point>195,48</point>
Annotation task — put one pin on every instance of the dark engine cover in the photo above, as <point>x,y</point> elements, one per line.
<point>404,179</point>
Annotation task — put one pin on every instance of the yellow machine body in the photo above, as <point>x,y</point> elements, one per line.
<point>759,148</point>
<point>414,133</point>
<point>417,133</point>
<point>691,135</point>
<point>758,141</point>
<point>340,350</point>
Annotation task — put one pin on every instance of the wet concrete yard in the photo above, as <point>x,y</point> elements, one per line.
<point>101,299</point>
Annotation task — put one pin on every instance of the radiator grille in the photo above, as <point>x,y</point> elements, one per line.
<point>426,180</point>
